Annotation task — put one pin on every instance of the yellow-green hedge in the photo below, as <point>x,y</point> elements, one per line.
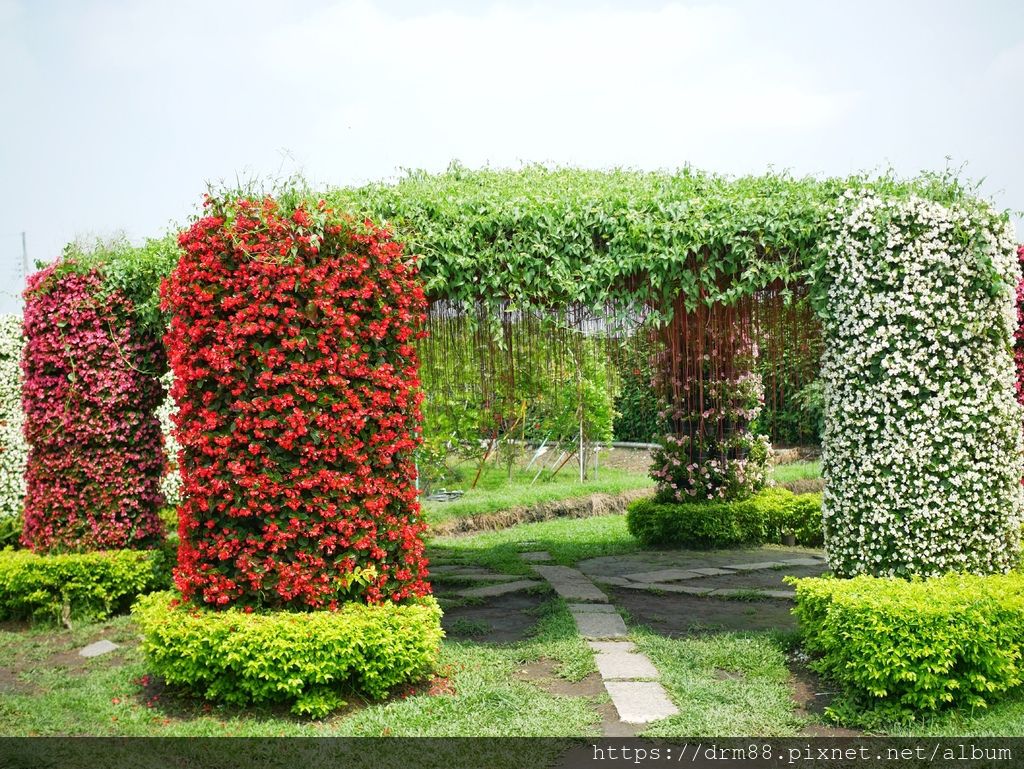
<point>84,585</point>
<point>906,647</point>
<point>307,659</point>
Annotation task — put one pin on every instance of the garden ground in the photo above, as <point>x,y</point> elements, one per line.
<point>513,664</point>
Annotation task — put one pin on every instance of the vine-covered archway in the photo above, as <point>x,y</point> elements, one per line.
<point>907,278</point>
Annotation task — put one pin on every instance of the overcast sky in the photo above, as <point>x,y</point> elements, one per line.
<point>115,114</point>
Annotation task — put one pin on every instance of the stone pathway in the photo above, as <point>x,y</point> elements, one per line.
<point>668,579</point>
<point>491,591</point>
<point>629,677</point>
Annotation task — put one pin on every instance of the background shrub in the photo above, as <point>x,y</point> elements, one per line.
<point>923,449</point>
<point>13,449</point>
<point>295,377</point>
<point>308,659</point>
<point>90,390</point>
<point>902,648</point>
<point>766,516</point>
<point>81,585</point>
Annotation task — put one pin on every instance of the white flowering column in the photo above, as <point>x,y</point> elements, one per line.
<point>170,484</point>
<point>13,449</point>
<point>922,448</point>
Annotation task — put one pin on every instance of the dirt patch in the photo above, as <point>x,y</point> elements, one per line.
<point>578,507</point>
<point>633,460</point>
<point>10,683</point>
<point>812,696</point>
<point>543,672</point>
<point>674,615</point>
<point>504,619</point>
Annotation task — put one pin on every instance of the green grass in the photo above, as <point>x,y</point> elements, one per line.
<point>728,684</point>
<point>568,540</point>
<point>106,696</point>
<point>495,492</point>
<point>796,471</point>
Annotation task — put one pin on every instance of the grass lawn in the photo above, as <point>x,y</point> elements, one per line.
<point>56,692</point>
<point>724,683</point>
<point>495,492</point>
<point>568,540</point>
<point>796,471</point>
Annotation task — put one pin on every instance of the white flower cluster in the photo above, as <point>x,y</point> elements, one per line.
<point>923,451</point>
<point>171,483</point>
<point>13,448</point>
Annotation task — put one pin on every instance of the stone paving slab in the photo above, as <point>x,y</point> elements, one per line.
<point>595,608</point>
<point>597,625</point>
<point>624,665</point>
<point>664,575</point>
<point>571,584</point>
<point>711,571</point>
<point>617,581</point>
<point>640,702</point>
<point>491,591</point>
<point>474,577</point>
<point>605,646</point>
<point>536,555</point>
<point>778,593</point>
<point>98,648</point>
<point>755,566</point>
<point>803,562</point>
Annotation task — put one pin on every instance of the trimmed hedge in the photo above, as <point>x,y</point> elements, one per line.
<point>307,659</point>
<point>766,516</point>
<point>80,585</point>
<point>901,648</point>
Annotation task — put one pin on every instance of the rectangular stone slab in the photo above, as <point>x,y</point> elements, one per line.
<point>778,593</point>
<point>711,571</point>
<point>803,562</point>
<point>571,584</point>
<point>664,575</point>
<point>536,555</point>
<point>597,625</point>
<point>98,648</point>
<point>605,646</point>
<point>490,591</point>
<point>474,577</point>
<point>617,581</point>
<point>755,566</point>
<point>640,702</point>
<point>599,608</point>
<point>624,665</point>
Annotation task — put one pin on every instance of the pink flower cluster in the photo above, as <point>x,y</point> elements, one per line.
<point>90,392</point>
<point>1018,350</point>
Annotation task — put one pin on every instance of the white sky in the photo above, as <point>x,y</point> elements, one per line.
<point>114,114</point>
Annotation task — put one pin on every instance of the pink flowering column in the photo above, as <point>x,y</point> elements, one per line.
<point>90,393</point>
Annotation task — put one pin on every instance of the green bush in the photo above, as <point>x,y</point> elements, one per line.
<point>766,516</point>
<point>797,514</point>
<point>901,648</point>
<point>304,658</point>
<point>80,585</point>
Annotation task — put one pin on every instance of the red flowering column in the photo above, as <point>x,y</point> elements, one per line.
<point>90,392</point>
<point>291,342</point>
